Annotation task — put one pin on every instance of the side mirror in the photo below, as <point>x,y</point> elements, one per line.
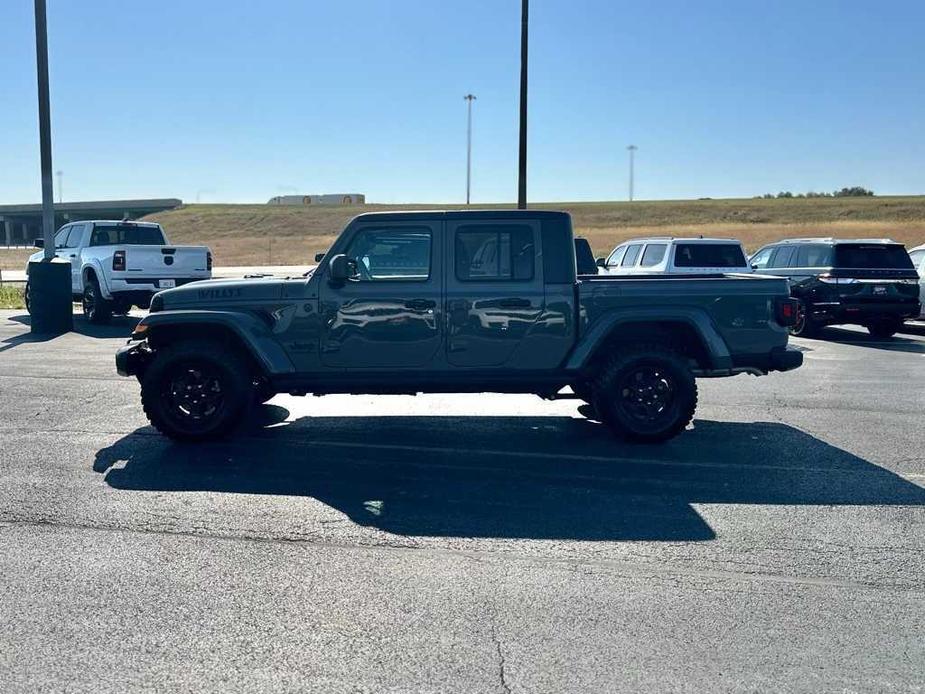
<point>39,243</point>
<point>319,257</point>
<point>601,262</point>
<point>340,269</point>
<point>754,267</point>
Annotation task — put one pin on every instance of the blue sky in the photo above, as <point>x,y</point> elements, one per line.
<point>238,101</point>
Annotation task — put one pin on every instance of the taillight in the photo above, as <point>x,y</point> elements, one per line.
<point>208,260</point>
<point>118,261</point>
<point>785,311</point>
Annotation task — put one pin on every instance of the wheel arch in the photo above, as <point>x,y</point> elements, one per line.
<point>689,332</point>
<point>240,332</point>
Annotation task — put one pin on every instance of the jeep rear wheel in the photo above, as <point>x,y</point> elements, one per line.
<point>196,390</point>
<point>646,393</point>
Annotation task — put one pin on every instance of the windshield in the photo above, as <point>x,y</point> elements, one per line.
<point>872,256</point>
<point>709,255</point>
<point>127,235</point>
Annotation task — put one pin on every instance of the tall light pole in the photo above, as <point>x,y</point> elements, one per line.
<point>469,99</point>
<point>49,284</point>
<point>632,150</point>
<point>522,163</point>
<point>60,175</point>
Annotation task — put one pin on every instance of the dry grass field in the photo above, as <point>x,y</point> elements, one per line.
<point>283,235</point>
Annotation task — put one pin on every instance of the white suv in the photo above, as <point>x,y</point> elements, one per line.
<point>666,255</point>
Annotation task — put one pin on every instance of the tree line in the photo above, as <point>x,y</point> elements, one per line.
<point>852,192</point>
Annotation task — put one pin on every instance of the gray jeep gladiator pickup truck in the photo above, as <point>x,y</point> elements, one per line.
<point>468,301</point>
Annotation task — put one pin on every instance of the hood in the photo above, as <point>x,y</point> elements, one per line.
<point>218,293</point>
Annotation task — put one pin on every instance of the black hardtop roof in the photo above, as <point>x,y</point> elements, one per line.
<point>412,215</point>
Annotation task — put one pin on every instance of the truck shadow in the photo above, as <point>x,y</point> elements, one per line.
<point>509,477</point>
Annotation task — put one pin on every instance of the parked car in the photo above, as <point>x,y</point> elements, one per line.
<point>119,264</point>
<point>869,282</point>
<point>917,255</point>
<point>467,301</point>
<point>675,256</point>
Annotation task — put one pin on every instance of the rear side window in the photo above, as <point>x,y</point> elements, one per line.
<point>486,252</point>
<point>632,252</point>
<point>813,255</point>
<point>783,257</point>
<point>126,235</point>
<point>709,255</point>
<point>872,256</point>
<point>653,254</point>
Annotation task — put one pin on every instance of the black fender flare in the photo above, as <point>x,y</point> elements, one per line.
<point>697,319</point>
<point>255,336</point>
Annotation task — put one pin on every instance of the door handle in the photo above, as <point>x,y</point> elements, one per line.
<point>420,304</point>
<point>514,303</point>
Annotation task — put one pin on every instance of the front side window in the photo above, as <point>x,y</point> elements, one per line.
<point>616,256</point>
<point>917,257</point>
<point>61,236</point>
<point>391,254</point>
<point>632,252</point>
<point>653,255</point>
<point>761,258</point>
<point>494,252</point>
<point>75,235</point>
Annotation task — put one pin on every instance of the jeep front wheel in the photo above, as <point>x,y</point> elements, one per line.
<point>646,393</point>
<point>196,390</point>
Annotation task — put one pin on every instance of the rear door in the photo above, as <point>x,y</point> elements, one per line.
<point>388,314</point>
<point>494,289</point>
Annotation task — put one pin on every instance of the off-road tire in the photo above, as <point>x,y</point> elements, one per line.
<point>96,309</point>
<point>26,298</point>
<point>620,397</point>
<point>884,329</point>
<point>161,395</point>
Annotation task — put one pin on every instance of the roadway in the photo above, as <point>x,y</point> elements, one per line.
<point>469,543</point>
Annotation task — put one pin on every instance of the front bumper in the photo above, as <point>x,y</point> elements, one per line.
<point>132,358</point>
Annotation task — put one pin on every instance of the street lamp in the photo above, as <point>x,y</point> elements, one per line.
<point>632,150</point>
<point>49,282</point>
<point>469,99</point>
<point>522,160</point>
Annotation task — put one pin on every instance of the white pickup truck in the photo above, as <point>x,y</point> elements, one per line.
<point>119,264</point>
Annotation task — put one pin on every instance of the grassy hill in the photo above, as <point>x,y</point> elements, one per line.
<point>291,235</point>
<point>276,235</point>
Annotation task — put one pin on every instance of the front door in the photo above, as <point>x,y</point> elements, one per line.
<point>388,314</point>
<point>495,291</point>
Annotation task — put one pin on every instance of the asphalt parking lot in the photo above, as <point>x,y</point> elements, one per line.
<point>465,543</point>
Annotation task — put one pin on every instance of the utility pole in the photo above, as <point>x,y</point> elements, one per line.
<point>469,99</point>
<point>522,163</point>
<point>60,175</point>
<point>49,283</point>
<point>632,150</point>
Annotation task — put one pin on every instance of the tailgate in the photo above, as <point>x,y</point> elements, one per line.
<point>164,262</point>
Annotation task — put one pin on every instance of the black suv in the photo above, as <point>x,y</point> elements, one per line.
<point>869,282</point>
